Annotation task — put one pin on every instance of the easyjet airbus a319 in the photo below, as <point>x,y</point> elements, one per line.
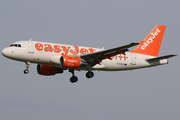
<point>54,58</point>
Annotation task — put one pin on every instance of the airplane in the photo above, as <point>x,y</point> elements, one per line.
<point>52,58</point>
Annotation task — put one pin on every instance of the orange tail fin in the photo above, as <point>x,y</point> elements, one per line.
<point>152,43</point>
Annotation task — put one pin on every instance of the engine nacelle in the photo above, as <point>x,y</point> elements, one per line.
<point>70,62</point>
<point>48,70</point>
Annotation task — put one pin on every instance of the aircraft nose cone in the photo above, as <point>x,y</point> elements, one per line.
<point>5,52</point>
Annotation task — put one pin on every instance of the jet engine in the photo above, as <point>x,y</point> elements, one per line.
<point>70,62</point>
<point>48,70</point>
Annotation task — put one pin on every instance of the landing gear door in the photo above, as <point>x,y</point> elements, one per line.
<point>133,59</point>
<point>30,47</point>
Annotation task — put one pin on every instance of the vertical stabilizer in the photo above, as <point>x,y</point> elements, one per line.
<point>152,43</point>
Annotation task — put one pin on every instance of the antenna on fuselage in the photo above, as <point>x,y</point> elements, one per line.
<point>30,39</point>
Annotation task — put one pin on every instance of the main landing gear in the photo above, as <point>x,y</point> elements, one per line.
<point>74,79</point>
<point>26,71</point>
<point>89,74</point>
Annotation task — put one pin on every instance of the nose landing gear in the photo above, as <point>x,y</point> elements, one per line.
<point>26,71</point>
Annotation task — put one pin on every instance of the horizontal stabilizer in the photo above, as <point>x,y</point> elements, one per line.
<point>160,58</point>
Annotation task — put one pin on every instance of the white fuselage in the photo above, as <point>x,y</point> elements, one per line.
<point>49,53</point>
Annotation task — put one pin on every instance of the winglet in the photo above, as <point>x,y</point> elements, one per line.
<point>151,44</point>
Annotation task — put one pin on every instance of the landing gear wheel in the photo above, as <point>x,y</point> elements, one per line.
<point>89,74</point>
<point>26,71</point>
<point>73,79</point>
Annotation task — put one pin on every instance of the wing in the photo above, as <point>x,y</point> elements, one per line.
<point>96,57</point>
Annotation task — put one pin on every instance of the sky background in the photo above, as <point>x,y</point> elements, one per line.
<point>144,94</point>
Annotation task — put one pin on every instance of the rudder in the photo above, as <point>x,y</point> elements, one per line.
<point>152,43</point>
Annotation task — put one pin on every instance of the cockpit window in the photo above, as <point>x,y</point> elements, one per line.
<point>11,45</point>
<point>15,45</point>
